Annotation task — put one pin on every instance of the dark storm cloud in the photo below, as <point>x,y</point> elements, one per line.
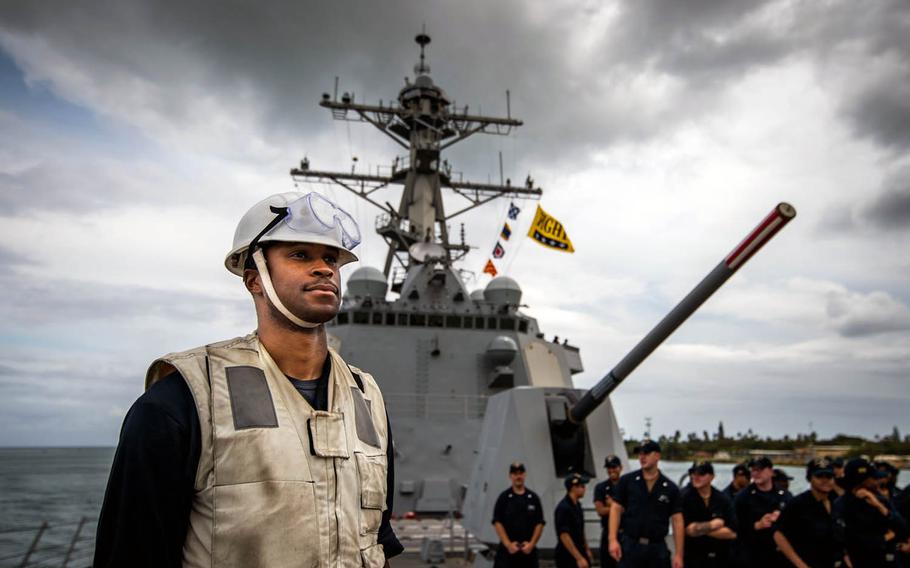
<point>887,210</point>
<point>891,210</point>
<point>706,42</point>
<point>881,111</point>
<point>281,57</point>
<point>285,53</point>
<point>880,108</point>
<point>855,315</point>
<point>694,39</point>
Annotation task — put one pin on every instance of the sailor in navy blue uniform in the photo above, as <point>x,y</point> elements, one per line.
<point>838,465</point>
<point>518,520</point>
<point>709,519</point>
<point>781,480</point>
<point>739,482</point>
<point>603,499</point>
<point>758,507</point>
<point>870,526</point>
<point>805,531</point>
<point>645,502</point>
<point>572,550</point>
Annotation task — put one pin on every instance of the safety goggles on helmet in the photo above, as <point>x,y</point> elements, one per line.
<point>312,214</point>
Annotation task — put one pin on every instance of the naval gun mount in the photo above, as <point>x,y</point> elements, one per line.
<point>555,431</point>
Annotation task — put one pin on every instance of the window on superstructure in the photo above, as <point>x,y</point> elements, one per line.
<point>419,320</point>
<point>523,326</point>
<point>453,321</point>
<point>362,317</point>
<point>377,318</point>
<point>491,323</point>
<point>342,318</point>
<point>478,322</point>
<point>468,322</point>
<point>507,323</point>
<point>390,319</point>
<point>402,319</point>
<point>435,320</point>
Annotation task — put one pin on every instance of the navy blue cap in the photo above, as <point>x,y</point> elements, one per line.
<point>646,447</point>
<point>741,468</point>
<point>574,479</point>
<point>781,475</point>
<point>612,461</point>
<point>856,471</point>
<point>516,467</point>
<point>761,462</point>
<point>702,468</point>
<point>819,466</point>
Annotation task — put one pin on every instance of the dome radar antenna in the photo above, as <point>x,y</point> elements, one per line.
<point>422,68</point>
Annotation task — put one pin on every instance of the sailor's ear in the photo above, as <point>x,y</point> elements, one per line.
<point>252,282</point>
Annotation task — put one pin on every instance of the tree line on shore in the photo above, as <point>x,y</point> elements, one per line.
<point>679,447</point>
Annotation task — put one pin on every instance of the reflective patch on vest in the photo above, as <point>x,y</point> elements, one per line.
<point>251,400</point>
<point>363,414</point>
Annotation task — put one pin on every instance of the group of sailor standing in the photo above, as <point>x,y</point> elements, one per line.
<point>853,514</point>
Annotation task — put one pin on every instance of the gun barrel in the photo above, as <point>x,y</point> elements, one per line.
<point>774,222</point>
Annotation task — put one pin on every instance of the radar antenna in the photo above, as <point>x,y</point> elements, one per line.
<point>422,68</point>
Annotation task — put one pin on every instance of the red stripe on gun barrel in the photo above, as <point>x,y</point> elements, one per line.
<point>771,224</point>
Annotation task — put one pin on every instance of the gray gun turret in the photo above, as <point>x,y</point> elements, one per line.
<point>548,428</point>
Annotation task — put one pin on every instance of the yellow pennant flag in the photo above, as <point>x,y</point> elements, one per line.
<point>549,232</point>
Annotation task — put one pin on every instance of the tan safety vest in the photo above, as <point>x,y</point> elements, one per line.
<point>280,484</point>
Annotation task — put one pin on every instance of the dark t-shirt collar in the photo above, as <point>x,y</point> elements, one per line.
<point>322,383</point>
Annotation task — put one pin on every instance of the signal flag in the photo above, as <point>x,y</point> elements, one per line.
<point>549,232</point>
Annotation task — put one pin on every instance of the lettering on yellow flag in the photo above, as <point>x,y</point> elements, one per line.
<point>549,232</point>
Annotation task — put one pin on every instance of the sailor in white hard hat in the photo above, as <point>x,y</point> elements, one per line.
<point>264,450</point>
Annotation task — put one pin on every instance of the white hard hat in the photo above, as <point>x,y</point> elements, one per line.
<point>296,218</point>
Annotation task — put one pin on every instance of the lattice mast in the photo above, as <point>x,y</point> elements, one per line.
<point>424,122</point>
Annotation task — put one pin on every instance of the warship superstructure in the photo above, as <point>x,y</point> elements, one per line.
<point>438,350</point>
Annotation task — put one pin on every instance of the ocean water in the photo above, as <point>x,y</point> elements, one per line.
<point>60,486</point>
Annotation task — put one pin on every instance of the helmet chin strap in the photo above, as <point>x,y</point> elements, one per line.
<point>270,293</point>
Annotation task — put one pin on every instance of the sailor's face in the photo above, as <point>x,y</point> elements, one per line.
<point>762,475</point>
<point>741,480</point>
<point>823,483</point>
<point>614,472</point>
<point>648,460</point>
<point>700,480</point>
<point>307,279</point>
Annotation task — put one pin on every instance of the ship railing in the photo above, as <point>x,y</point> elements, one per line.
<point>436,405</point>
<point>72,545</point>
<point>61,545</point>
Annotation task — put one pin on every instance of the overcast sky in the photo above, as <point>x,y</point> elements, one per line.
<point>134,135</point>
